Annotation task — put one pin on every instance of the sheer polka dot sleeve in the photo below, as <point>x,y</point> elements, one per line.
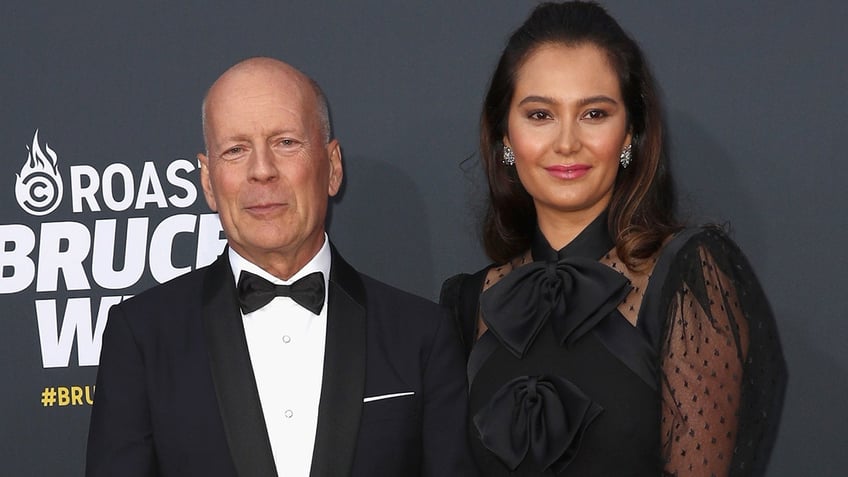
<point>723,374</point>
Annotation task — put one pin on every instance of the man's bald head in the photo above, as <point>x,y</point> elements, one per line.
<point>270,165</point>
<point>277,68</point>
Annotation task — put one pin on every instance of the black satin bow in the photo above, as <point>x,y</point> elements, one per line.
<point>575,293</point>
<point>543,416</point>
<point>254,292</point>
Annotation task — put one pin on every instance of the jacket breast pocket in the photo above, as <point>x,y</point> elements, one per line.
<point>397,408</point>
<point>390,436</point>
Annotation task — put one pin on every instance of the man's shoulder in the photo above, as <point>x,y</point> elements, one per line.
<point>375,292</point>
<point>409,322</point>
<point>382,291</point>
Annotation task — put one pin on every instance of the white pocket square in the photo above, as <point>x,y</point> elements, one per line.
<point>387,396</point>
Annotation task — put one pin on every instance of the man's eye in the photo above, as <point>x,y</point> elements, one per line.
<point>233,152</point>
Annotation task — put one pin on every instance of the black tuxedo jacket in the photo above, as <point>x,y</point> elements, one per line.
<point>176,394</point>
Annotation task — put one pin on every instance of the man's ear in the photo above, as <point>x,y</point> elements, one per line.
<point>334,152</point>
<point>206,181</point>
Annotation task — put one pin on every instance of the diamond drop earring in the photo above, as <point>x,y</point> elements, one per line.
<point>626,156</point>
<point>508,156</point>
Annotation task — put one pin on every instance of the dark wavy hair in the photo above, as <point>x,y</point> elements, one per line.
<point>641,211</point>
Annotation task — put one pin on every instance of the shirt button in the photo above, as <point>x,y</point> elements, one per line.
<point>286,339</point>
<point>289,413</point>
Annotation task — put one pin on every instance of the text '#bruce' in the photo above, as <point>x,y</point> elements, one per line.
<point>67,396</point>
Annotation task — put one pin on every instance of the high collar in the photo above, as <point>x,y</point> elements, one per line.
<point>592,242</point>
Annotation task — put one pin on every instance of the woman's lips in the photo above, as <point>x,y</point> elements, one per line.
<point>573,171</point>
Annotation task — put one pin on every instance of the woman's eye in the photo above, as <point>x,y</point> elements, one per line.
<point>539,115</point>
<point>595,114</point>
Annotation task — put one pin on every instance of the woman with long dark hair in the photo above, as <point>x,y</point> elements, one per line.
<point>607,339</point>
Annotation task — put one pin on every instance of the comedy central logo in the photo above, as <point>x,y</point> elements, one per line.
<point>38,187</point>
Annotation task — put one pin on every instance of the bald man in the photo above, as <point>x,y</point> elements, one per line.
<point>279,358</point>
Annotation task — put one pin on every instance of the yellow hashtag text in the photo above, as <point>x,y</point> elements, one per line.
<point>64,396</point>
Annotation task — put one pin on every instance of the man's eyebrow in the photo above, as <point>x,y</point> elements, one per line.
<point>233,138</point>
<point>239,137</point>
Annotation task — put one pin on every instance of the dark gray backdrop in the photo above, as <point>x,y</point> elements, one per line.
<point>756,106</point>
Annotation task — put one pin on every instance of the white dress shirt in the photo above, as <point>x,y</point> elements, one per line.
<point>286,345</point>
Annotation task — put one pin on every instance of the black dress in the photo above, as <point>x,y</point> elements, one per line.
<point>563,383</point>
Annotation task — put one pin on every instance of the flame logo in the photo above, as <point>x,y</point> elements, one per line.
<point>39,186</point>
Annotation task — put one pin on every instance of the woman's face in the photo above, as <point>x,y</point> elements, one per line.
<point>567,126</point>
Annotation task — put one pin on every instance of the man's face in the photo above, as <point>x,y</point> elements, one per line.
<point>268,172</point>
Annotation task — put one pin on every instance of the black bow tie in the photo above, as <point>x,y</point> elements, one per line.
<point>255,292</point>
<point>575,293</point>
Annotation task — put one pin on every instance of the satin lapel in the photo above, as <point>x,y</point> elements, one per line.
<point>343,385</point>
<point>232,373</point>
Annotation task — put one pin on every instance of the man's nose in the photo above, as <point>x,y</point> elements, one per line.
<point>263,164</point>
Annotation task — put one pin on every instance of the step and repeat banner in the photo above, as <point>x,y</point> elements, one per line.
<point>100,127</point>
<point>78,236</point>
